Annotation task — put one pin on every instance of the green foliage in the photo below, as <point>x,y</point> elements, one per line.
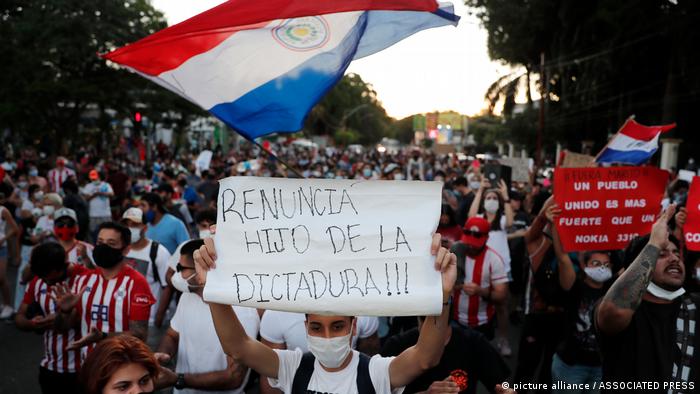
<point>351,104</point>
<point>51,74</point>
<point>604,61</point>
<point>345,137</point>
<point>402,130</point>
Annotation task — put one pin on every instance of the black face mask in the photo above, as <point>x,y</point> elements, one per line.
<point>106,256</point>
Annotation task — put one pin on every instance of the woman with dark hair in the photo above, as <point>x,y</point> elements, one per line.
<point>447,227</point>
<point>122,364</point>
<point>494,206</point>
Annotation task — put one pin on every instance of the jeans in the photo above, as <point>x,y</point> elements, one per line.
<point>575,374</point>
<point>26,252</point>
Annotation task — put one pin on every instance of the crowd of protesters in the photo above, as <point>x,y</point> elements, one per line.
<point>105,248</point>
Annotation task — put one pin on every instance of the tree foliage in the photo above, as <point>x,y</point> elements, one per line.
<point>51,75</point>
<point>351,104</point>
<point>604,61</point>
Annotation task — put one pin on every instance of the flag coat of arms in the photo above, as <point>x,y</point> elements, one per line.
<point>634,144</point>
<point>260,66</point>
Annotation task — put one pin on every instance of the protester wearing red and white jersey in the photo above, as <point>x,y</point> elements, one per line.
<point>58,368</point>
<point>60,174</point>
<point>481,278</point>
<point>112,299</point>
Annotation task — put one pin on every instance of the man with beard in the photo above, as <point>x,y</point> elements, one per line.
<point>481,279</point>
<point>646,323</point>
<point>114,299</point>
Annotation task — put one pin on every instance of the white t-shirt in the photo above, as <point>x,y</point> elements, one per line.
<point>99,205</point>
<point>498,241</point>
<point>289,328</point>
<point>44,225</point>
<point>199,349</point>
<point>341,382</point>
<point>140,260</point>
<point>475,311</point>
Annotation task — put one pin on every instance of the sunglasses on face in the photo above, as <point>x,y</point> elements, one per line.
<point>598,263</point>
<point>179,268</point>
<point>474,234</point>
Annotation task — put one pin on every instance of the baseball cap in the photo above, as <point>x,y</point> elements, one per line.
<point>476,232</point>
<point>133,214</point>
<point>94,175</point>
<point>65,212</point>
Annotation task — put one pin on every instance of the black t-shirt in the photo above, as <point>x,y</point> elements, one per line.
<point>28,225</point>
<point>468,357</point>
<point>580,347</point>
<point>646,349</point>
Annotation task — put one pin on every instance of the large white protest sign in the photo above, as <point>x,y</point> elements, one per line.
<point>327,246</point>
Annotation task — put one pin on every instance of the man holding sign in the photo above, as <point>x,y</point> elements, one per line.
<point>338,369</point>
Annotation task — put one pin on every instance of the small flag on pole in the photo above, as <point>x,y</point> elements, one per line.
<point>633,144</point>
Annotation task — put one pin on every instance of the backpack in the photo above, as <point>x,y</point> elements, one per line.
<point>302,377</point>
<point>153,255</point>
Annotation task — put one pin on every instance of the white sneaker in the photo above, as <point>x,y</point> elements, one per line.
<point>6,312</point>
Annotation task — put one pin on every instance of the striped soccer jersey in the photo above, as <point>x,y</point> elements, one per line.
<point>56,357</point>
<point>109,305</point>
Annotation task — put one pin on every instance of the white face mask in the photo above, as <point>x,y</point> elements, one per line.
<point>330,352</point>
<point>697,274</point>
<point>599,274</point>
<point>664,294</point>
<point>181,284</point>
<point>135,234</point>
<point>474,185</point>
<point>49,210</point>
<point>491,206</point>
<point>204,234</point>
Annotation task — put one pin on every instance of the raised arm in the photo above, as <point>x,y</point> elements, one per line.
<point>234,340</point>
<point>617,307</point>
<point>474,209</point>
<point>426,353</point>
<point>567,274</point>
<point>503,189</point>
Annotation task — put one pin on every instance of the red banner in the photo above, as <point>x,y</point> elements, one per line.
<point>691,229</point>
<point>605,208</point>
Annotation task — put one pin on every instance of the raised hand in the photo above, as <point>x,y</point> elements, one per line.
<point>503,189</point>
<point>659,231</point>
<point>446,263</point>
<point>205,258</point>
<point>552,212</point>
<point>65,299</point>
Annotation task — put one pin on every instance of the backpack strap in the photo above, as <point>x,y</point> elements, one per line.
<point>153,255</point>
<point>302,376</point>
<point>364,380</point>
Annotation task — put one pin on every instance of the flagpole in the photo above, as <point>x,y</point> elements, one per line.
<point>290,168</point>
<point>610,140</point>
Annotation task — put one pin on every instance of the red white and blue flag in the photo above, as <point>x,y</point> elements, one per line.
<point>260,66</point>
<point>634,144</point>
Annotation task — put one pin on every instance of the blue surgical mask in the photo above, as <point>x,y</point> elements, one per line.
<point>149,216</point>
<point>33,172</point>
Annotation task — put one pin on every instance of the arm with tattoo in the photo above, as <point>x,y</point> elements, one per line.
<point>619,304</point>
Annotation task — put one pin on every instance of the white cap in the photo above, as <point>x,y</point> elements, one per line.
<point>133,214</point>
<point>65,212</point>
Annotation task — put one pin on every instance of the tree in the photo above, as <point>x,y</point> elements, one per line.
<point>604,61</point>
<point>51,75</point>
<point>351,104</point>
